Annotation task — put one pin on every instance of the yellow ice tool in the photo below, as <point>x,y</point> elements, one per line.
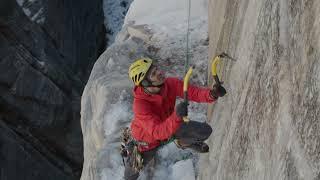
<point>185,90</point>
<point>215,63</point>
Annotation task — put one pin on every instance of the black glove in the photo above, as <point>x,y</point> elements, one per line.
<point>217,91</point>
<point>182,109</point>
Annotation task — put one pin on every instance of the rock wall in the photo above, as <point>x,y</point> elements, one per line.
<point>77,30</point>
<point>43,69</point>
<point>105,104</point>
<point>267,127</point>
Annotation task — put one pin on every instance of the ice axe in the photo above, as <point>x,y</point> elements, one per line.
<point>215,63</point>
<point>185,90</point>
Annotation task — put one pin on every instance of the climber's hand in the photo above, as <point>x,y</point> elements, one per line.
<point>182,109</point>
<point>217,91</point>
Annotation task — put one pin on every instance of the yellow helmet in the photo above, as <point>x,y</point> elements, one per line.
<point>139,69</point>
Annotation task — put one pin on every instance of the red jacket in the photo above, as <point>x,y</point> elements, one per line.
<point>155,119</point>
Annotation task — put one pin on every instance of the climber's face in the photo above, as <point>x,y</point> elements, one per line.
<point>156,75</point>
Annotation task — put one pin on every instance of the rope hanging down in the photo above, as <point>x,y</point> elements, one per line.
<point>186,64</point>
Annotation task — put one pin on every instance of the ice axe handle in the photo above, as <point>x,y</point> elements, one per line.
<point>185,97</point>
<point>216,78</point>
<point>214,65</point>
<point>185,90</point>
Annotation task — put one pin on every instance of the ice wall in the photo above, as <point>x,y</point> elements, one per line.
<point>267,127</point>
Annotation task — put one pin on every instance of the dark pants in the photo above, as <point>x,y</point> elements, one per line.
<point>188,133</point>
<point>192,132</point>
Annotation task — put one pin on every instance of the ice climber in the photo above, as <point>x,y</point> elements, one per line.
<point>156,119</point>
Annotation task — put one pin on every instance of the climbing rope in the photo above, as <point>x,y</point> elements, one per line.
<point>186,64</point>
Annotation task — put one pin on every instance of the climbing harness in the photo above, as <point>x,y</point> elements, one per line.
<point>129,149</point>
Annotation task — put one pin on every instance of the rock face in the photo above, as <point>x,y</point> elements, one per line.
<point>43,70</point>
<point>77,30</point>
<point>35,9</point>
<point>267,127</point>
<point>22,160</point>
<point>107,93</point>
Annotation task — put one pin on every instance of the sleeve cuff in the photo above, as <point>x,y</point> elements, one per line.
<point>212,97</point>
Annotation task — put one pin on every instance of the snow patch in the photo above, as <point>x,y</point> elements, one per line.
<point>117,170</point>
<point>169,164</point>
<point>183,170</point>
<point>117,113</point>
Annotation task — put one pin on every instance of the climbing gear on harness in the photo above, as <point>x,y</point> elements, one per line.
<point>139,69</point>
<point>137,160</point>
<point>126,146</point>
<point>129,149</point>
